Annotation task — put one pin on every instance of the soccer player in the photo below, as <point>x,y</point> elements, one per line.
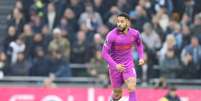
<point>117,51</point>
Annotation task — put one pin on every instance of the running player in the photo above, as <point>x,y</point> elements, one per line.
<point>117,51</point>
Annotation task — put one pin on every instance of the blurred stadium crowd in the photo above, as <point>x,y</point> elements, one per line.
<point>45,36</point>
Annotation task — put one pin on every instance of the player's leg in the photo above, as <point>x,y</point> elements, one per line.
<point>130,81</point>
<point>131,85</point>
<point>116,94</point>
<point>116,83</point>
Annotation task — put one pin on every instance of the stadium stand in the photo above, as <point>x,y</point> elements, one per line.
<point>64,37</point>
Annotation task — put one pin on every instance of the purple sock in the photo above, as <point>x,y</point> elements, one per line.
<point>132,96</point>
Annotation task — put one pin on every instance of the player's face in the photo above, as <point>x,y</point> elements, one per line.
<point>122,23</point>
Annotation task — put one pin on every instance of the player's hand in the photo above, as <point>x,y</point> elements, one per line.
<point>141,62</point>
<point>120,67</point>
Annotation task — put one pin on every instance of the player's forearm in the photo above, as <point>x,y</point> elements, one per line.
<point>139,46</point>
<point>140,50</point>
<point>108,58</point>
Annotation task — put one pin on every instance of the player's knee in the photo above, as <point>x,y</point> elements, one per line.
<point>131,84</point>
<point>117,93</point>
<point>131,88</point>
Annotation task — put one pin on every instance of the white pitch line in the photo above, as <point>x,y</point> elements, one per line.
<point>91,94</point>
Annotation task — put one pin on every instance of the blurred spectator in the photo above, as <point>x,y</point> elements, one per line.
<point>89,33</point>
<point>79,49</point>
<point>19,5</point>
<point>197,8</point>
<point>27,34</point>
<point>68,23</point>
<point>110,16</point>
<point>164,3</point>
<point>189,8</point>
<point>49,82</point>
<point>171,95</point>
<point>26,8</point>
<point>3,64</point>
<point>156,26</point>
<point>36,23</point>
<point>178,36</point>
<point>152,42</point>
<point>17,20</point>
<point>91,18</point>
<point>186,36</point>
<point>123,5</point>
<point>103,30</point>
<point>98,41</point>
<point>16,47</point>
<point>168,44</point>
<point>138,17</point>
<point>58,65</point>
<point>47,35</point>
<point>40,64</point>
<point>148,6</point>
<point>179,8</point>
<point>196,28</point>
<point>37,8</point>
<point>77,6</point>
<point>169,66</point>
<point>51,17</point>
<point>186,20</point>
<point>150,37</point>
<point>69,14</point>
<point>162,83</point>
<point>27,30</point>
<point>45,31</point>
<point>83,28</point>
<point>96,45</point>
<point>162,18</point>
<point>37,41</point>
<point>99,6</point>
<point>191,56</point>
<point>20,67</point>
<point>59,43</point>
<point>98,68</point>
<point>10,36</point>
<point>171,27</point>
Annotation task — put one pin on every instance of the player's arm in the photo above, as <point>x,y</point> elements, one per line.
<point>140,48</point>
<point>106,52</point>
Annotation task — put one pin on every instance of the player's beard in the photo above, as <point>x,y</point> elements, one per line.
<point>121,28</point>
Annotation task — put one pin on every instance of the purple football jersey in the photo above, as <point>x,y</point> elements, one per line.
<point>117,48</point>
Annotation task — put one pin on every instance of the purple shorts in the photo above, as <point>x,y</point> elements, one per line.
<point>117,78</point>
